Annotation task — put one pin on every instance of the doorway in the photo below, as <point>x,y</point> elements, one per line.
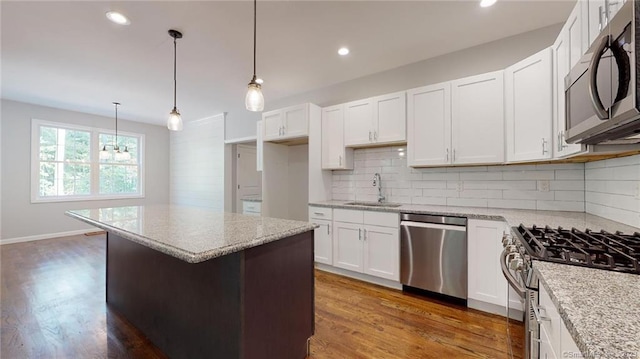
<point>248,179</point>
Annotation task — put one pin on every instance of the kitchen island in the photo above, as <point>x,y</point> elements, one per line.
<point>201,283</point>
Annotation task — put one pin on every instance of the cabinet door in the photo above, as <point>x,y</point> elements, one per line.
<point>486,281</point>
<point>323,251</point>
<point>259,146</point>
<point>334,154</point>
<point>358,123</point>
<point>272,125</point>
<point>429,125</point>
<point>597,18</point>
<point>295,121</point>
<point>528,108</point>
<point>347,246</point>
<point>390,118</point>
<point>560,70</point>
<point>578,32</point>
<point>478,119</point>
<point>382,252</point>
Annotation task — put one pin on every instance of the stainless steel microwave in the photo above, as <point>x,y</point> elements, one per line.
<point>601,90</point>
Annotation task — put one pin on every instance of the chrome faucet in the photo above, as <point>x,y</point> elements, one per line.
<point>377,182</point>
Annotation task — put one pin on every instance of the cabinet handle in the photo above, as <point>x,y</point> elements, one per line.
<point>544,146</point>
<point>447,155</point>
<point>319,213</point>
<point>284,130</point>
<point>280,131</point>
<point>359,234</point>
<point>600,13</point>
<point>369,136</point>
<point>340,160</point>
<point>365,234</point>
<point>454,155</point>
<point>375,135</point>
<point>563,144</point>
<point>328,231</point>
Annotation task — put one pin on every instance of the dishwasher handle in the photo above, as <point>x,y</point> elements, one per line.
<point>447,227</point>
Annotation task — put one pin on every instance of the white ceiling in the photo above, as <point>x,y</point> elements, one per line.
<point>66,54</point>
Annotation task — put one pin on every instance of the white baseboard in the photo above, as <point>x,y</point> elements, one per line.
<point>360,276</point>
<point>514,313</point>
<point>43,236</point>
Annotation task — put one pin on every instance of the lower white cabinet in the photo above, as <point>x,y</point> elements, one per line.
<point>555,339</point>
<point>323,249</point>
<point>360,246</point>
<point>251,208</point>
<point>486,283</point>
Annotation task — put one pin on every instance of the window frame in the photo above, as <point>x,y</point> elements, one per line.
<point>94,163</point>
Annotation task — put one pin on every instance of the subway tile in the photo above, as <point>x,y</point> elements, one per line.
<point>439,193</point>
<point>439,201</point>
<point>623,161</point>
<point>569,174</point>
<point>560,206</point>
<point>518,168</point>
<point>602,173</point>
<point>566,185</point>
<point>441,176</point>
<point>627,217</point>
<point>522,185</point>
<point>480,193</point>
<point>399,184</point>
<point>626,173</point>
<point>406,192</point>
<point>527,195</point>
<point>467,169</point>
<point>399,199</point>
<point>481,176</point>
<point>528,175</point>
<point>595,164</point>
<point>429,184</point>
<point>432,170</point>
<point>467,202</point>
<point>569,195</point>
<point>512,203</point>
<point>560,166</point>
<point>628,203</point>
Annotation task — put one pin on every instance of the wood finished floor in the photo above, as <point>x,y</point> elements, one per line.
<point>52,306</point>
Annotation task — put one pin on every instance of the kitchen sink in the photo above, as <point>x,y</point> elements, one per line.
<point>374,204</point>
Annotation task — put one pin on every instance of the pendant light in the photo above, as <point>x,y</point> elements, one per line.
<point>254,100</point>
<point>174,123</point>
<point>117,154</point>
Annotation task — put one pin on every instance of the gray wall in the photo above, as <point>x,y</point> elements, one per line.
<point>491,56</point>
<point>20,217</point>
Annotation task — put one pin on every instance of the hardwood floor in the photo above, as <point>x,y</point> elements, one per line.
<point>52,299</point>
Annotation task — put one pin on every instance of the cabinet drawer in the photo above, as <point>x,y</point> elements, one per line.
<point>320,213</point>
<point>383,219</point>
<point>254,207</point>
<point>551,321</point>
<point>348,215</point>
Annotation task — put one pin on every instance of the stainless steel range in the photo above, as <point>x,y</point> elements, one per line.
<point>603,250</point>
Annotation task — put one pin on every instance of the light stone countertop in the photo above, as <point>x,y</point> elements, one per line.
<point>189,233</point>
<point>600,308</point>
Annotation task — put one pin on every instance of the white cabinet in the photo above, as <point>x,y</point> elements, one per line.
<point>561,68</point>
<point>367,242</point>
<point>323,243</point>
<point>577,29</point>
<point>259,146</point>
<point>477,123</point>
<point>287,123</point>
<point>334,154</point>
<point>376,121</point>
<point>429,125</point>
<point>528,108</point>
<point>251,208</point>
<point>600,13</point>
<point>486,283</point>
<point>555,339</point>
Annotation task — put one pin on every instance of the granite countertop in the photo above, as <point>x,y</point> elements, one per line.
<point>188,233</point>
<point>600,308</point>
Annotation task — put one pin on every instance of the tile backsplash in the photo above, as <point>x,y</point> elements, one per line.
<point>546,187</point>
<point>613,189</point>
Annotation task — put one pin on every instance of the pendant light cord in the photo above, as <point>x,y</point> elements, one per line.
<point>175,83</point>
<point>115,145</point>
<point>254,36</point>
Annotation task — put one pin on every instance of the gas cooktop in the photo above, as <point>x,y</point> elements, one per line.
<point>612,251</point>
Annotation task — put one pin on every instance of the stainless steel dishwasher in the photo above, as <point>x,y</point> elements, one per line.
<point>433,253</point>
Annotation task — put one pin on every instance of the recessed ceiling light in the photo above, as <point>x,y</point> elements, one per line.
<point>260,81</point>
<point>343,51</point>
<point>118,18</point>
<point>487,3</point>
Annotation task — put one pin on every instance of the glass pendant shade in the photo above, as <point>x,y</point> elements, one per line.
<point>104,154</point>
<point>174,123</point>
<point>254,100</point>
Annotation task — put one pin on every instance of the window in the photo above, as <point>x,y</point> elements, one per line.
<point>66,165</point>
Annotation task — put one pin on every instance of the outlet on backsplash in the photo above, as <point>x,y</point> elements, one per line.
<point>543,186</point>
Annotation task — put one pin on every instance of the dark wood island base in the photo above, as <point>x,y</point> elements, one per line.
<point>252,304</point>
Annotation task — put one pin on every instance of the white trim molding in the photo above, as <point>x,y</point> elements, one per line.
<point>247,139</point>
<point>44,236</point>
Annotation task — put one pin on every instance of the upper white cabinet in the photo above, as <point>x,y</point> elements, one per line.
<point>560,70</point>
<point>429,125</point>
<point>577,28</point>
<point>287,123</point>
<point>600,12</point>
<point>528,108</point>
<point>377,120</point>
<point>334,153</point>
<point>477,123</point>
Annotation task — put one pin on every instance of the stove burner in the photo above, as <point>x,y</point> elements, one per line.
<point>612,251</point>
